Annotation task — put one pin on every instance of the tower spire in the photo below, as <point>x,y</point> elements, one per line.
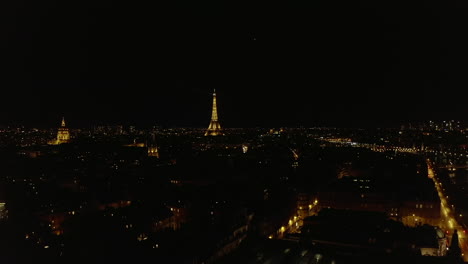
<point>63,135</point>
<point>152,147</point>
<point>214,129</point>
<point>454,252</point>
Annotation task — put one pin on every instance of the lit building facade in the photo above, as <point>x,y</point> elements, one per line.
<point>3,211</point>
<point>153,151</point>
<point>63,134</point>
<point>409,212</point>
<point>153,148</point>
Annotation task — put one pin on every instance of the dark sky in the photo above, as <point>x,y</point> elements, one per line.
<point>343,63</point>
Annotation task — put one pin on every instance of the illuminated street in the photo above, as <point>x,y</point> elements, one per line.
<point>449,222</point>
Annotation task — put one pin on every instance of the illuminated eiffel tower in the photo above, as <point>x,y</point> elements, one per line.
<point>214,129</point>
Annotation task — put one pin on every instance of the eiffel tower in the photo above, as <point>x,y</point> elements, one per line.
<point>214,129</point>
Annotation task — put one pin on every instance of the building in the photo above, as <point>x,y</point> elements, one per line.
<point>367,233</point>
<point>153,148</point>
<point>63,134</point>
<point>353,193</point>
<point>3,209</point>
<point>231,238</point>
<point>454,253</point>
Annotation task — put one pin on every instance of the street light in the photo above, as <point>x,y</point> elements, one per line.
<point>318,257</point>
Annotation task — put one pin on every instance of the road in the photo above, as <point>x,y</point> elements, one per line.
<point>449,220</point>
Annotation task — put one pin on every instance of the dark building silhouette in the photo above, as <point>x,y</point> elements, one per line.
<point>454,253</point>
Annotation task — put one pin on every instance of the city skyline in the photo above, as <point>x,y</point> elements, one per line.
<point>48,123</point>
<point>51,122</point>
<point>226,132</point>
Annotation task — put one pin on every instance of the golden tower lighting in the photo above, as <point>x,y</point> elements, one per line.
<point>214,129</point>
<point>63,135</point>
<point>153,148</point>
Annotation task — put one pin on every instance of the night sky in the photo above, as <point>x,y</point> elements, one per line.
<point>337,63</point>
